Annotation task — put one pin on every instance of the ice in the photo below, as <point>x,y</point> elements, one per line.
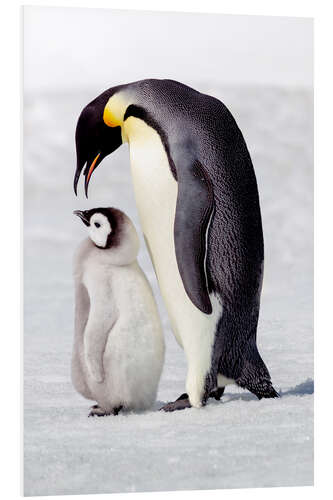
<point>239,442</point>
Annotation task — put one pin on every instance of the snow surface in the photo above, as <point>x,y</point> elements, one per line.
<point>239,442</point>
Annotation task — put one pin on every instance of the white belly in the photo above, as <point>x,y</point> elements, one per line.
<point>156,195</point>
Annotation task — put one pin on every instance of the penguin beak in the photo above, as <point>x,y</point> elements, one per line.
<point>82,216</point>
<point>87,172</point>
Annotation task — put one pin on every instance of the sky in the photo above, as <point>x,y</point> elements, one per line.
<point>73,48</point>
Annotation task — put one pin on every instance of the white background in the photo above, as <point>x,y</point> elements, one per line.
<point>92,47</point>
<point>10,233</point>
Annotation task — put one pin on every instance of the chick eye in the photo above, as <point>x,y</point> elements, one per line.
<point>97,224</point>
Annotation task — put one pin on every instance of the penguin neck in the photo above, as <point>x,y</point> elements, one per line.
<point>114,112</point>
<point>122,252</point>
<point>136,130</point>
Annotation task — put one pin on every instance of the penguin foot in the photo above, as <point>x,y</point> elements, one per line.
<point>183,401</point>
<point>217,393</point>
<point>180,404</point>
<point>97,411</point>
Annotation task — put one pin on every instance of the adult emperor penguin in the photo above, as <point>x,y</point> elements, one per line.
<point>198,203</point>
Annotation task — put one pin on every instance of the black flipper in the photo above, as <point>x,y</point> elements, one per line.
<point>195,204</point>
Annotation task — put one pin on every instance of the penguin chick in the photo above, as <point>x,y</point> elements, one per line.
<point>118,350</point>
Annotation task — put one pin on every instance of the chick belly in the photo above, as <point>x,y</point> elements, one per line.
<point>134,351</point>
<point>132,367</point>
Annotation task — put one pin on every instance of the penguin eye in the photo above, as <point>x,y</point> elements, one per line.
<point>97,224</point>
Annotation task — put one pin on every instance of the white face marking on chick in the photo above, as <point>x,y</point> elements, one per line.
<point>99,229</point>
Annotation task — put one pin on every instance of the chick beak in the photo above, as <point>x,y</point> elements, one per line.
<point>82,216</point>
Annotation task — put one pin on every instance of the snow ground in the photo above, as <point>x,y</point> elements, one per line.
<point>240,442</point>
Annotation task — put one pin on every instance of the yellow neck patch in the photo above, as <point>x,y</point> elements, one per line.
<point>113,115</point>
<point>109,119</point>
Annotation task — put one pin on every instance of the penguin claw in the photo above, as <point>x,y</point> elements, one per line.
<point>183,401</point>
<point>97,411</point>
<point>217,393</point>
<point>179,404</point>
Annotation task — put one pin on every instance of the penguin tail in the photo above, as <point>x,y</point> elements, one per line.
<point>255,376</point>
<point>260,388</point>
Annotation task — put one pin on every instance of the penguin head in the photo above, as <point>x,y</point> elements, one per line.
<point>94,139</point>
<point>110,228</point>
